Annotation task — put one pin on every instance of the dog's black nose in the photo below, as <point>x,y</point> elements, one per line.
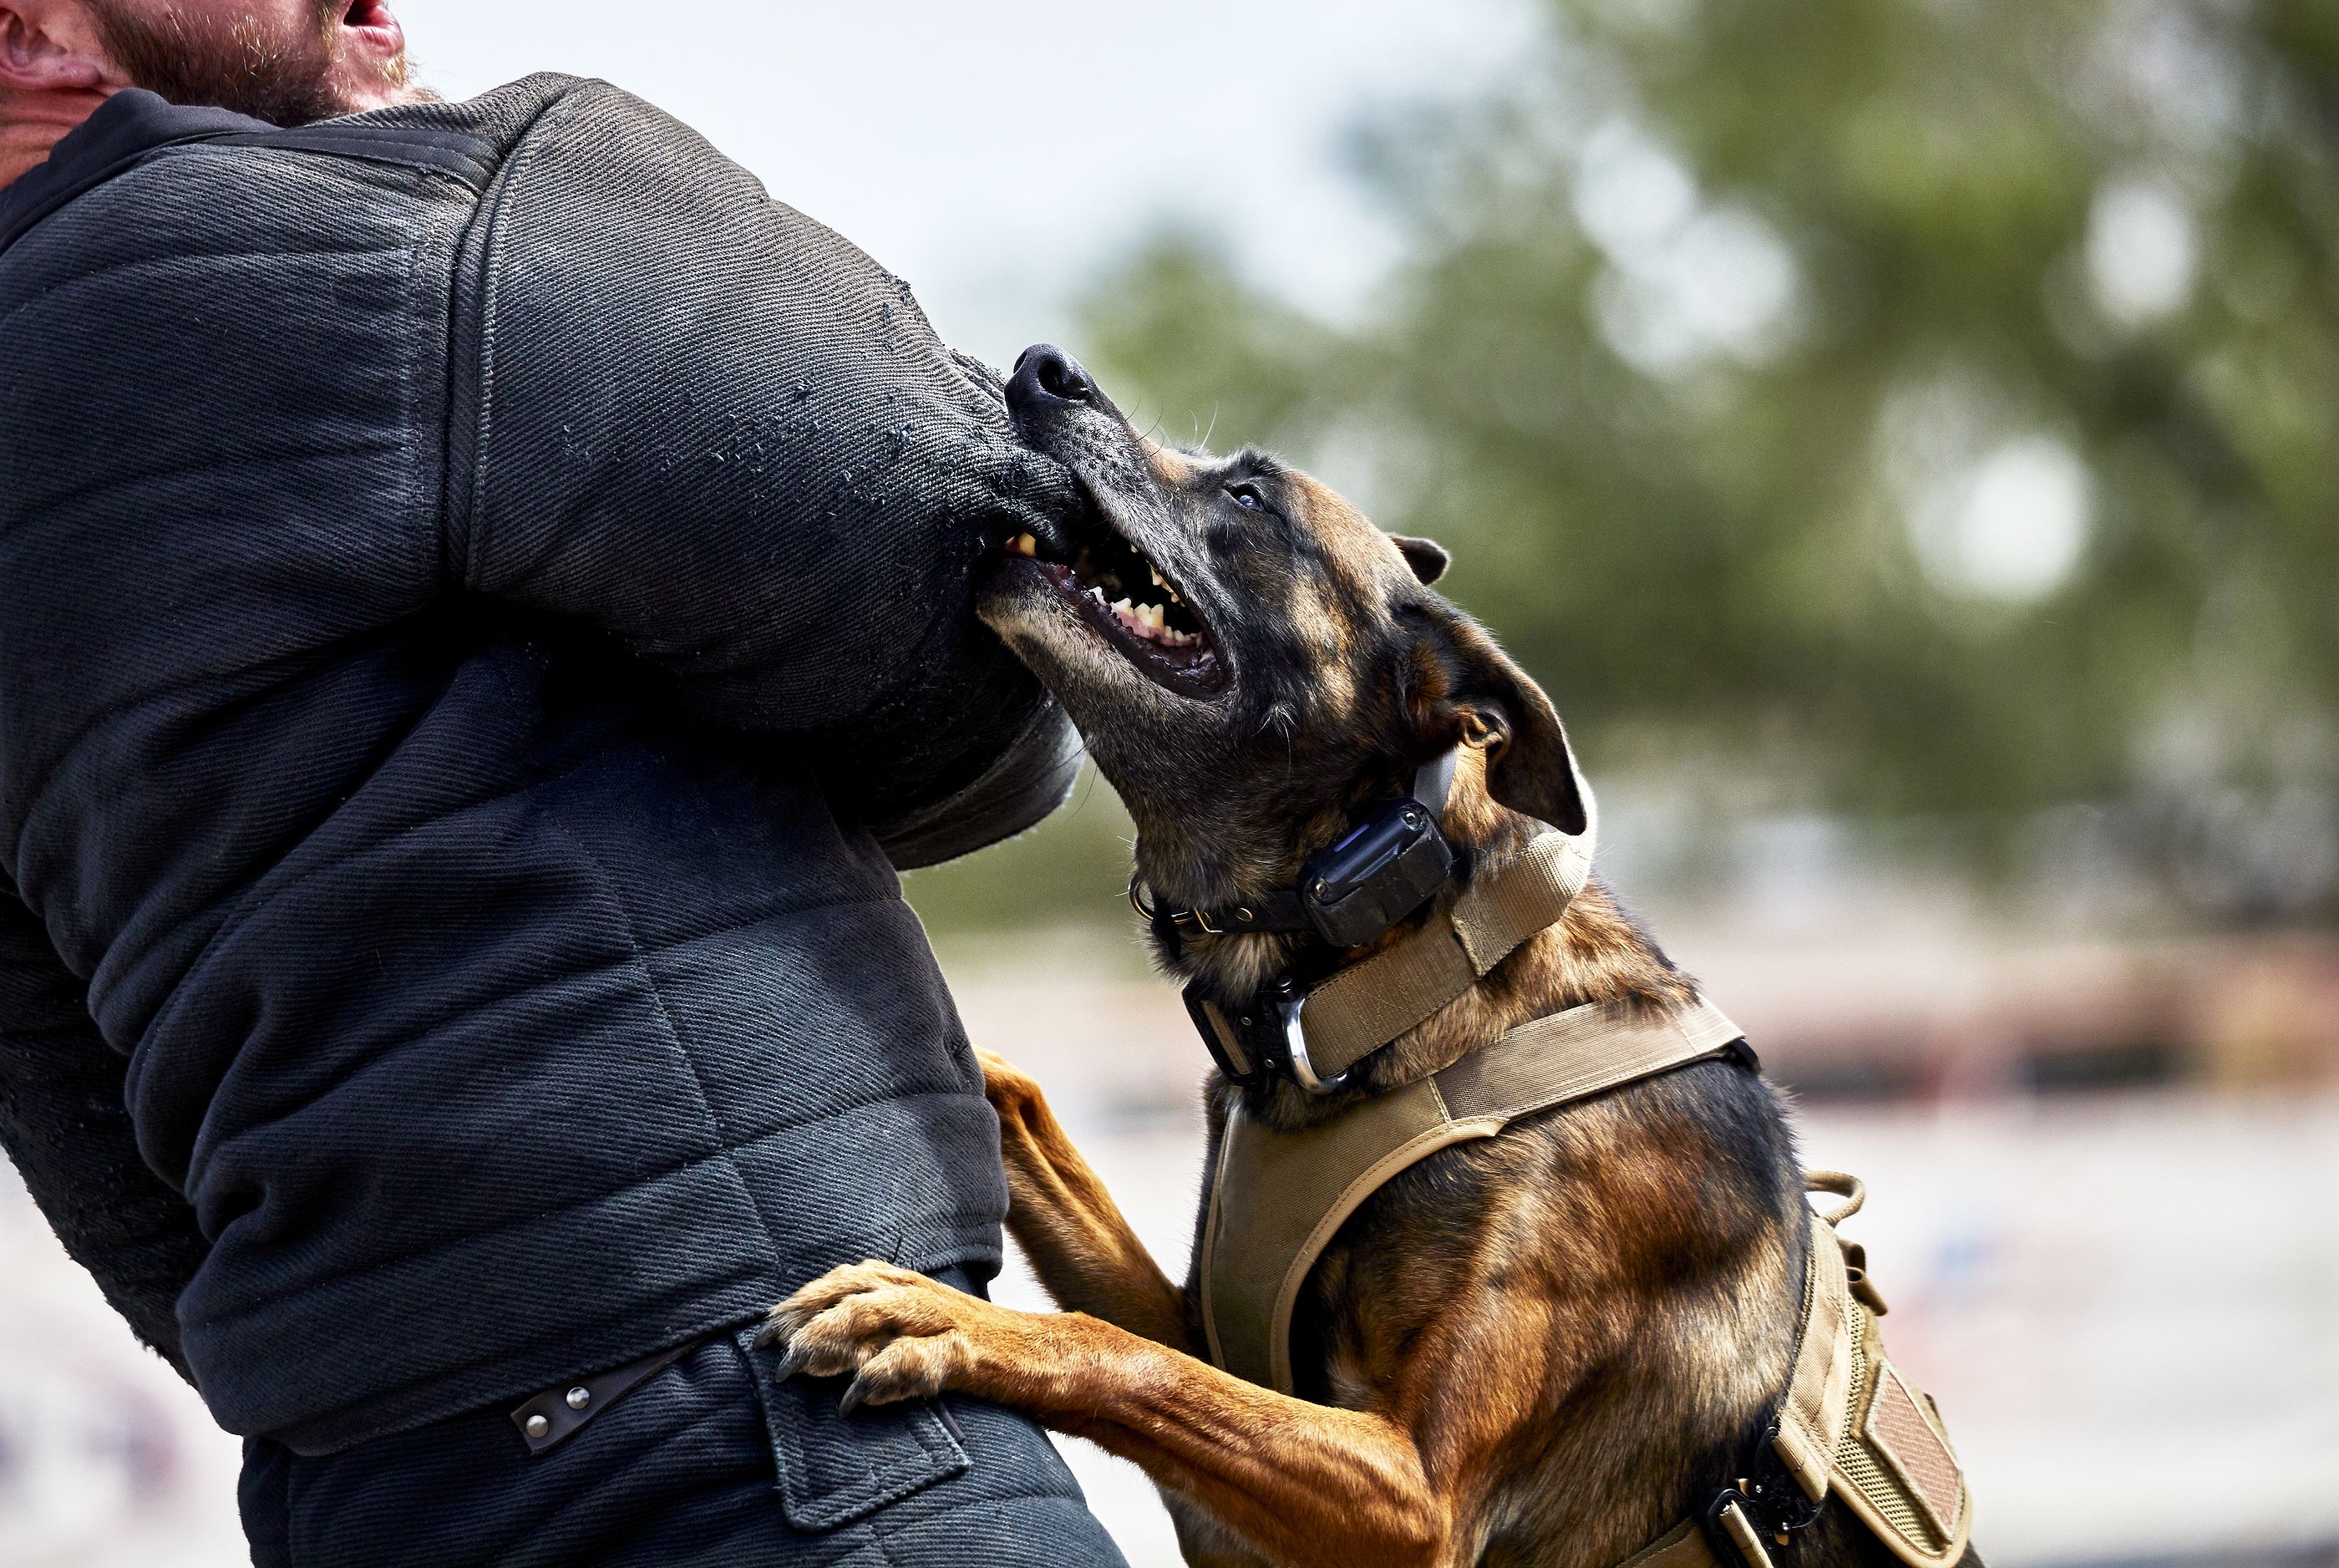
<point>1045,374</point>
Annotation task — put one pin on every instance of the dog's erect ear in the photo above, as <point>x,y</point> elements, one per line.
<point>1427,558</point>
<point>1533,771</point>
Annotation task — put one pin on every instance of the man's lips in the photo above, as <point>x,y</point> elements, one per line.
<point>376,18</point>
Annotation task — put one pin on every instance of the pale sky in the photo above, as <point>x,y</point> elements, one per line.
<point>994,154</point>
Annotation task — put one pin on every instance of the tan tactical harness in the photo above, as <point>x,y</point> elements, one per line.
<point>1278,1196</point>
<point>1849,1423</point>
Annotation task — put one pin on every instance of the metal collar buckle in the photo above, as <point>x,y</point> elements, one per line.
<point>1266,1039</point>
<point>1295,1047</point>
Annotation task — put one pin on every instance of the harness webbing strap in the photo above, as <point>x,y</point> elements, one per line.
<point>1812,1417</point>
<point>1278,1198</point>
<point>1580,1052</point>
<point>1368,1004</point>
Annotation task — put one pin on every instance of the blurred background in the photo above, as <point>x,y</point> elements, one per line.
<point>1899,433</point>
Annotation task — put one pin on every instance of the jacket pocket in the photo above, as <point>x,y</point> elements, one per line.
<point>834,1469</point>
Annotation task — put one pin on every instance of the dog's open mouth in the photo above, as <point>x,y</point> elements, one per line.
<point>1136,609</point>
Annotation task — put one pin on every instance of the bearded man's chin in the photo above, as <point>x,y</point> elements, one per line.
<point>195,55</point>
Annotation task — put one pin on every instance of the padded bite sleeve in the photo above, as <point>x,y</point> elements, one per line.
<point>717,430</point>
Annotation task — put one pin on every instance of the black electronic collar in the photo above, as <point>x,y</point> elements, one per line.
<point>1388,864</point>
<point>1392,859</point>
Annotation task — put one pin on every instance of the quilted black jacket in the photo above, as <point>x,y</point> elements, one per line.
<point>482,592</point>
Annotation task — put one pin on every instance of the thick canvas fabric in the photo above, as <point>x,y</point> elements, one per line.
<point>469,638</point>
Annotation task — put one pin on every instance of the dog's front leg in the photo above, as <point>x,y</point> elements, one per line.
<point>1311,1485</point>
<point>1060,1212</point>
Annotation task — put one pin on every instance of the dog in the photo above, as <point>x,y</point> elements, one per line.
<point>1538,1348</point>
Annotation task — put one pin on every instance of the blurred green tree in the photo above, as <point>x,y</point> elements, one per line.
<point>1927,405</point>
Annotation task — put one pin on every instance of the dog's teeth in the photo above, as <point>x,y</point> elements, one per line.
<point>1024,545</point>
<point>1158,580</point>
<point>1121,607</point>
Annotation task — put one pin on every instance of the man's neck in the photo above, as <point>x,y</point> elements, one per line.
<point>30,126</point>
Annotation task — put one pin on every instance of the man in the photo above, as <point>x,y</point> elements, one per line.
<point>482,600</point>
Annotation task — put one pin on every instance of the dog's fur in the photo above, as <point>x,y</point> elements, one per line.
<point>1541,1348</point>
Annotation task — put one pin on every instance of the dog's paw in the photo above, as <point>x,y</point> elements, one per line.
<point>899,1335</point>
<point>1013,1093</point>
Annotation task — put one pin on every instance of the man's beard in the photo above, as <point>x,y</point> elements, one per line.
<point>198,56</point>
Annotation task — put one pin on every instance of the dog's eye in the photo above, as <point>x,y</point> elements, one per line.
<point>1247,498</point>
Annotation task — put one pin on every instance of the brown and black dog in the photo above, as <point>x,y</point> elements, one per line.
<point>1532,1349</point>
